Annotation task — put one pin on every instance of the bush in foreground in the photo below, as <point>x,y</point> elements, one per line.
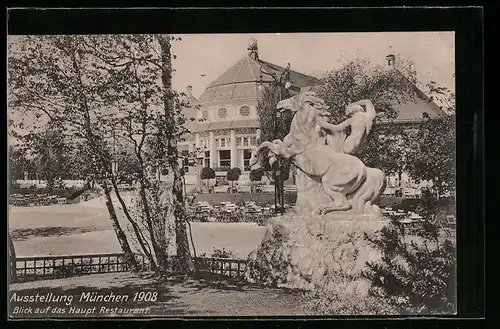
<point>416,274</point>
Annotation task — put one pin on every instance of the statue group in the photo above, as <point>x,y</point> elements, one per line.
<point>330,177</point>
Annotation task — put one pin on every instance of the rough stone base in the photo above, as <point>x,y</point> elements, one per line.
<point>307,252</point>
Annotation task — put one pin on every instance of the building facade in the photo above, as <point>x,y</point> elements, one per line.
<point>223,122</point>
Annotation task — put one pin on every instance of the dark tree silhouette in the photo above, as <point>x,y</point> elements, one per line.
<point>206,174</point>
<point>233,175</point>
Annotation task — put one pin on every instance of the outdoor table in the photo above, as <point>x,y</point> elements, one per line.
<point>409,225</point>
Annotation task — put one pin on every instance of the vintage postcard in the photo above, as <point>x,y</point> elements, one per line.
<point>272,174</point>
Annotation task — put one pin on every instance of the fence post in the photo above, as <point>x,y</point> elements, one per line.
<point>13,262</point>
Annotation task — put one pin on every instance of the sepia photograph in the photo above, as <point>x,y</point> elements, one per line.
<point>231,175</point>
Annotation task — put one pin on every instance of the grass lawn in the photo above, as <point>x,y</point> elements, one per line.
<point>175,297</point>
<point>86,228</point>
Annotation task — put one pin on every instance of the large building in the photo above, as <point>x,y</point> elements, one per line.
<point>225,129</point>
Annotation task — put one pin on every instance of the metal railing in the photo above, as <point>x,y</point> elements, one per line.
<point>222,267</point>
<point>54,267</point>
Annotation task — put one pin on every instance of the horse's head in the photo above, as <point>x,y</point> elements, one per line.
<point>306,102</point>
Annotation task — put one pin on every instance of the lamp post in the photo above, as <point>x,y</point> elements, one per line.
<point>282,82</point>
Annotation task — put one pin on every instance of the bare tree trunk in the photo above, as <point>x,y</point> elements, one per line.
<point>120,234</point>
<point>181,237</point>
<point>135,227</point>
<point>161,255</point>
<point>186,263</point>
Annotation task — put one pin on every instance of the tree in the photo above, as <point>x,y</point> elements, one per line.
<point>52,78</point>
<point>206,174</point>
<point>360,79</point>
<point>19,163</point>
<point>387,148</point>
<point>233,175</point>
<point>49,151</point>
<point>153,125</point>
<point>273,124</point>
<point>433,154</point>
<point>433,157</point>
<point>387,144</point>
<point>173,124</point>
<point>103,88</point>
<point>256,175</point>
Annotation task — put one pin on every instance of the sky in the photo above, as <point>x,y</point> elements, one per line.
<point>201,58</point>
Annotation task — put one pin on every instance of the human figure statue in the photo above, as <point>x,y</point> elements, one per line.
<point>360,121</point>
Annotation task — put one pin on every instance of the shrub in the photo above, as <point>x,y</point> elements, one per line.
<point>207,173</point>
<point>233,175</point>
<point>256,175</point>
<point>415,274</point>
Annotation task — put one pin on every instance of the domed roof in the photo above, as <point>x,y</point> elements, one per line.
<point>242,79</point>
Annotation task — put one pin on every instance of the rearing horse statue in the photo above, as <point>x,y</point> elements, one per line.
<point>330,180</point>
<point>342,177</point>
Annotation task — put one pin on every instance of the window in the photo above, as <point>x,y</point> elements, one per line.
<point>222,113</point>
<point>205,115</point>
<point>223,142</point>
<point>206,160</point>
<point>225,158</point>
<point>244,111</point>
<point>246,141</point>
<point>238,141</point>
<point>205,143</point>
<point>253,140</point>
<point>247,155</point>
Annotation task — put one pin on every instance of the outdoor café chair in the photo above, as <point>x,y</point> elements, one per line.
<point>451,222</point>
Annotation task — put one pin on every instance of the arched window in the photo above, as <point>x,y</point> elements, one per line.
<point>244,111</point>
<point>222,113</point>
<point>205,115</point>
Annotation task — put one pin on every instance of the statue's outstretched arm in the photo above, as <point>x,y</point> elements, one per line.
<point>332,127</point>
<point>370,108</point>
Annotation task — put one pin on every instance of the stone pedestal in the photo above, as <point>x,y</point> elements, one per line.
<point>307,252</point>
